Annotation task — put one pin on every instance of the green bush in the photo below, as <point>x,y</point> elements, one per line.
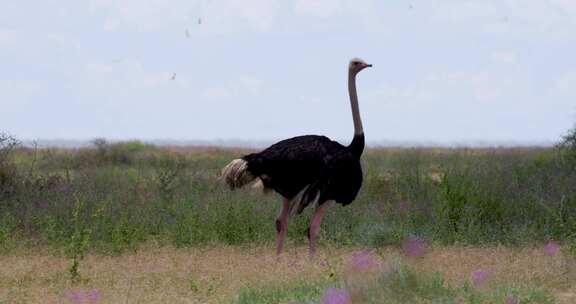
<point>9,179</point>
<point>567,147</point>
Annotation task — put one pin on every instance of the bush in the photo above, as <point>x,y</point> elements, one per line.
<point>122,153</point>
<point>8,171</point>
<point>567,147</point>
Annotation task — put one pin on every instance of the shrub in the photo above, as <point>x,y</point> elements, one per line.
<point>567,147</point>
<point>121,153</point>
<point>8,170</point>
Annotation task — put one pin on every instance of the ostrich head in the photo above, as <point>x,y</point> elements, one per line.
<point>357,65</point>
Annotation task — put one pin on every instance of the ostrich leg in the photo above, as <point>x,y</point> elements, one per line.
<point>282,225</point>
<point>314,230</point>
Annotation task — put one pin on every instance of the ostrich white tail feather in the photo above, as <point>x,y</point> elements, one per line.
<point>259,184</point>
<point>236,174</point>
<point>302,198</point>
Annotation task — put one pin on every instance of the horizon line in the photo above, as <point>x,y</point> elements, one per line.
<point>251,143</point>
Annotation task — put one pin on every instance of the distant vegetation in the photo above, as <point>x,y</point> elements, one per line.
<point>113,197</point>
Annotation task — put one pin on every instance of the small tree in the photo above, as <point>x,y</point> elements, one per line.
<point>7,144</point>
<point>567,146</point>
<point>8,178</point>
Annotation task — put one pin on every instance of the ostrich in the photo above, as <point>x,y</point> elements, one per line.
<point>304,170</point>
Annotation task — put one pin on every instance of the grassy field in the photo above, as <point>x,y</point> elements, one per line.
<point>134,223</point>
<point>230,274</point>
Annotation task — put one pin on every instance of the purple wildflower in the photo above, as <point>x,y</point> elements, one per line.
<point>478,277</point>
<point>414,246</point>
<point>43,204</point>
<point>336,296</point>
<point>512,300</point>
<point>84,297</point>
<point>64,188</point>
<point>93,295</point>
<point>551,248</point>
<point>362,261</point>
<point>76,296</point>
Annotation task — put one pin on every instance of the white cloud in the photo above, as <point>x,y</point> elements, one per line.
<point>142,15</point>
<point>259,13</point>
<point>216,16</point>
<point>16,92</point>
<point>319,8</point>
<point>525,17</point>
<point>99,68</point>
<point>217,93</point>
<point>466,10</point>
<point>565,86</point>
<point>518,17</point>
<point>567,7</point>
<point>487,86</point>
<point>310,99</point>
<point>455,91</point>
<point>7,36</point>
<point>389,93</point>
<point>241,88</point>
<point>231,16</point>
<point>126,82</point>
<point>504,56</point>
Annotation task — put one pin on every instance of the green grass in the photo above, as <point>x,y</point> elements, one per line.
<point>295,292</point>
<point>122,195</point>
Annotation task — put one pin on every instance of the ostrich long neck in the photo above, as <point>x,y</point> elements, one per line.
<point>354,104</point>
<point>357,144</point>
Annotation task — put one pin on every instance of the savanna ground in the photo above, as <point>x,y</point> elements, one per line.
<point>134,223</point>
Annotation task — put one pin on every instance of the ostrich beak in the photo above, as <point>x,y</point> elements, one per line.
<point>368,65</point>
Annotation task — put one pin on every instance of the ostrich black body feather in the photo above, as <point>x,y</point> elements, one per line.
<point>312,166</point>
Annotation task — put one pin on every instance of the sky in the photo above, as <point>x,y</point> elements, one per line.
<point>445,71</point>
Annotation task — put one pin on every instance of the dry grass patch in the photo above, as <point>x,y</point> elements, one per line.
<point>503,265</point>
<point>207,275</point>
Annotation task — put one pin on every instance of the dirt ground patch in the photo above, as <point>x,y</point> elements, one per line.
<point>213,275</point>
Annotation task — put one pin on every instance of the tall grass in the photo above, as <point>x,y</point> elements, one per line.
<point>133,192</point>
